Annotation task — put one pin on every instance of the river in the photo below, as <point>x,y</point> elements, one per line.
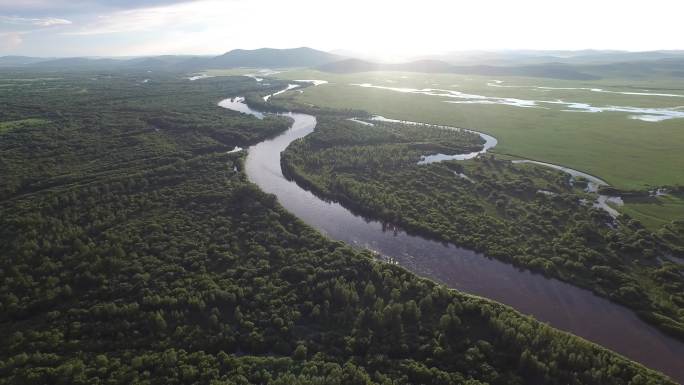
<point>559,304</point>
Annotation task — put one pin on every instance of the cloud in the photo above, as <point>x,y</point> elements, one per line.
<point>77,7</point>
<point>128,4</point>
<point>390,27</point>
<point>125,21</point>
<point>10,41</point>
<point>37,22</point>
<point>168,18</point>
<point>50,21</point>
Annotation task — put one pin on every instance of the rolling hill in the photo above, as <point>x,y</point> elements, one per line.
<point>270,57</point>
<point>567,65</point>
<point>551,70</point>
<point>260,58</point>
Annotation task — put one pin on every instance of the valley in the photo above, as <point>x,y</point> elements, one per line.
<point>294,216</point>
<point>551,301</point>
<point>136,250</point>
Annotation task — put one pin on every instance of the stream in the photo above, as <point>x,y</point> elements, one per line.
<point>559,304</point>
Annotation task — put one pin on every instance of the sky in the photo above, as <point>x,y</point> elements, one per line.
<point>392,29</point>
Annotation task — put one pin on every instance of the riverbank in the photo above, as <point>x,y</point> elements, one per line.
<point>562,305</point>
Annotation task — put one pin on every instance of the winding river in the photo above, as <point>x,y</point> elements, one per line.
<point>562,305</point>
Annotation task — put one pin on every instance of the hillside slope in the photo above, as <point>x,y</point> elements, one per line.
<point>272,58</point>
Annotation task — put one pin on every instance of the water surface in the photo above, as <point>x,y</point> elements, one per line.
<point>562,305</point>
<point>639,113</point>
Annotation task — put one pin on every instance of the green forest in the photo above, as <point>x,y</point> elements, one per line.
<point>525,214</point>
<point>133,250</point>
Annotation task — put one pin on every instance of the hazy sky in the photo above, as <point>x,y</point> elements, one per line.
<point>394,28</point>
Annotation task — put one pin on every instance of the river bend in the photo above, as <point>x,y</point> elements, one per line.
<point>560,304</point>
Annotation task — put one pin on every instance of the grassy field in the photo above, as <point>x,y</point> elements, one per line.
<point>655,212</point>
<point>625,152</point>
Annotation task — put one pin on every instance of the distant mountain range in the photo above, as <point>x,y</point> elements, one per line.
<point>580,67</point>
<point>552,70</point>
<point>529,57</point>
<point>269,57</point>
<point>573,65</point>
<point>258,58</point>
<point>16,61</point>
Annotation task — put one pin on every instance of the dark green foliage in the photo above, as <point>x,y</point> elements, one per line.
<point>524,214</point>
<point>134,250</point>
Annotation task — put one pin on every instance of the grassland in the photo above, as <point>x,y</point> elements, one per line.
<point>625,152</point>
<point>230,72</point>
<point>655,212</point>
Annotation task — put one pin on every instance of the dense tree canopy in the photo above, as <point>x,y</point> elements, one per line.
<point>134,250</point>
<point>525,214</point>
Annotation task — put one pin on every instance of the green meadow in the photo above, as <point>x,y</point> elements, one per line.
<point>628,153</point>
<point>655,212</point>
